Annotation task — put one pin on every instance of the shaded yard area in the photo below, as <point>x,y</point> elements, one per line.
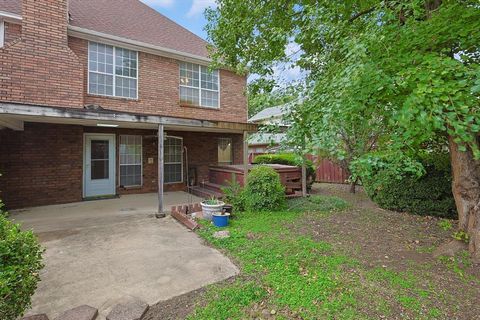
<point>334,256</point>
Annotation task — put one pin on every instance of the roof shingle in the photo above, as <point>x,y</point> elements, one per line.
<point>129,19</point>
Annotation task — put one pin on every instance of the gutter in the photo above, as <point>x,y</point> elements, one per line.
<point>126,43</point>
<point>10,17</point>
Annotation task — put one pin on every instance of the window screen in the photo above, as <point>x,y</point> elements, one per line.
<point>225,151</point>
<point>173,157</point>
<point>130,160</point>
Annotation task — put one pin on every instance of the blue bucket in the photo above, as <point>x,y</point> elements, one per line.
<point>220,221</point>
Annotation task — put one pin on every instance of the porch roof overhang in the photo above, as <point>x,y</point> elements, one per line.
<point>13,116</point>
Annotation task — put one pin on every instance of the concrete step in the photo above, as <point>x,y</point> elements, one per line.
<point>36,317</point>
<point>79,313</point>
<point>213,186</point>
<point>205,192</point>
<point>129,310</point>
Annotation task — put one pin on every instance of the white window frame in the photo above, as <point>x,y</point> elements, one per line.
<point>181,162</point>
<point>2,33</point>
<point>113,74</point>
<point>200,85</point>
<point>120,162</point>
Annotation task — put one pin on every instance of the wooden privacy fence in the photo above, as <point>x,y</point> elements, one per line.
<point>327,171</point>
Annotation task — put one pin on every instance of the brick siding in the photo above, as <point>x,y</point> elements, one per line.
<point>41,165</point>
<point>39,68</point>
<point>44,66</point>
<point>44,163</point>
<point>159,79</point>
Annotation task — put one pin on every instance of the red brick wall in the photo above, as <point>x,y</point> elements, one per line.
<point>39,68</point>
<point>159,79</point>
<point>44,66</point>
<point>44,163</point>
<point>13,31</point>
<point>41,165</point>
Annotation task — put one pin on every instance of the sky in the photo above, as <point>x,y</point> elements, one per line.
<point>187,13</point>
<point>190,15</point>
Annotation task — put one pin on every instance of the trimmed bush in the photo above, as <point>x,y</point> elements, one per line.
<point>288,159</point>
<point>20,263</point>
<point>263,191</point>
<point>430,194</point>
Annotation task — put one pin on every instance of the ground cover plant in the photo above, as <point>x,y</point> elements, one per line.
<point>336,255</point>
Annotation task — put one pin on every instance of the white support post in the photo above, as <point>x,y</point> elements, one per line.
<point>245,157</point>
<point>161,212</point>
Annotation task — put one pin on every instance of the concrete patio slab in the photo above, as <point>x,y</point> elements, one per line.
<point>99,252</point>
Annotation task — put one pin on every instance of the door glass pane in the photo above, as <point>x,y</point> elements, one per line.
<point>99,159</point>
<point>99,150</point>
<point>99,169</point>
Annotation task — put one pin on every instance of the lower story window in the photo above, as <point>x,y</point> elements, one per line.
<point>225,151</point>
<point>173,169</point>
<point>130,160</point>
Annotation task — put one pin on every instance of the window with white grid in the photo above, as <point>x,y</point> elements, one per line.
<point>198,86</point>
<point>130,160</point>
<point>173,158</point>
<point>112,71</point>
<point>225,154</point>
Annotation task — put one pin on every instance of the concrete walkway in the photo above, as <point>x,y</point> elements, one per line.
<point>100,252</point>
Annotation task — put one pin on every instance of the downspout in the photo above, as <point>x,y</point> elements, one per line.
<point>186,166</point>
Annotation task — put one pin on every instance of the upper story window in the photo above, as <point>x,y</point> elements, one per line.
<point>198,86</point>
<point>112,71</point>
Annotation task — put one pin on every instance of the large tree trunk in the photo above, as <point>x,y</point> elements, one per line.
<point>466,190</point>
<point>353,185</point>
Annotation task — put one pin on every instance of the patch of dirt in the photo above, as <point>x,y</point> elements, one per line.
<point>180,307</point>
<point>396,241</point>
<point>176,308</point>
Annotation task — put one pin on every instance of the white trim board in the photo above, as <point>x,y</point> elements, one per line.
<point>105,38</point>
<point>2,33</point>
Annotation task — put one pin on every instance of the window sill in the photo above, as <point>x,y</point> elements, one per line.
<point>199,107</point>
<point>111,97</point>
<point>130,187</point>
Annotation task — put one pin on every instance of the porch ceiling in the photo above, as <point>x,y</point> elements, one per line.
<point>14,115</point>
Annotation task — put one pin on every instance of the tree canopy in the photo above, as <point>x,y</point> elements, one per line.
<point>401,74</point>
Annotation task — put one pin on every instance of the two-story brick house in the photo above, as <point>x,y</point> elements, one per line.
<point>91,92</point>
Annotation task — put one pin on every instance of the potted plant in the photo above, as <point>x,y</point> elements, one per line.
<point>211,206</point>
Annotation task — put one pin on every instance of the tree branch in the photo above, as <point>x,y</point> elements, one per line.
<point>361,13</point>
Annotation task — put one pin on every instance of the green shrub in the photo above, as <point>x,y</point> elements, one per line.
<point>429,194</point>
<point>234,195</point>
<point>20,263</point>
<point>263,191</point>
<point>289,159</point>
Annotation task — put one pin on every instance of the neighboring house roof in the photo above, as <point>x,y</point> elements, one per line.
<point>269,113</point>
<point>130,19</point>
<point>258,139</point>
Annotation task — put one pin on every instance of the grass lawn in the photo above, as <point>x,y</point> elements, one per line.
<point>333,258</point>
